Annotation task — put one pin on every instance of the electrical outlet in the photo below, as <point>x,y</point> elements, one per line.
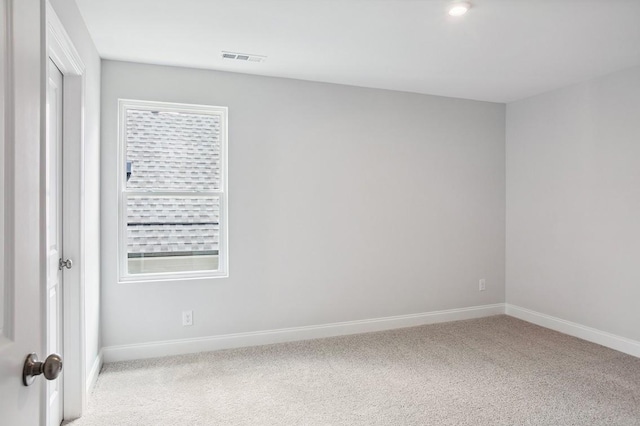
<point>187,318</point>
<point>482,285</point>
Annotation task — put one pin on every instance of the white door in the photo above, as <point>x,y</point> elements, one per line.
<point>21,282</point>
<point>53,188</point>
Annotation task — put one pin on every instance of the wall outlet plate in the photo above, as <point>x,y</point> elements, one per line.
<point>482,285</point>
<point>187,318</point>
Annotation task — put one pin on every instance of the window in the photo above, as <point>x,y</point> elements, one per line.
<point>173,191</point>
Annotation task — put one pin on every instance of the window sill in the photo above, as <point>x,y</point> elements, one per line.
<point>169,279</point>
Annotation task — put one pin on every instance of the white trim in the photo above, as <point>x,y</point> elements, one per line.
<point>223,251</point>
<point>92,377</point>
<point>619,343</point>
<point>5,99</point>
<point>237,340</point>
<point>61,50</point>
<point>60,47</point>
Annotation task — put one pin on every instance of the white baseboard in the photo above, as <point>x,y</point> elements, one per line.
<point>619,343</point>
<point>228,341</point>
<point>92,377</point>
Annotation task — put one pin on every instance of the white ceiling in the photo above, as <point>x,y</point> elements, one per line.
<point>501,50</point>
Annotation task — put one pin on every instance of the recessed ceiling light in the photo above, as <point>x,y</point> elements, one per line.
<point>459,8</point>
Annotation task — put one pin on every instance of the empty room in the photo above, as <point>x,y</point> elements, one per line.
<point>320,212</point>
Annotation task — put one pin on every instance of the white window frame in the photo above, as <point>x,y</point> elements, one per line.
<point>125,105</point>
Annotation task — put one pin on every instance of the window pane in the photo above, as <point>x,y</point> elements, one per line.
<point>172,234</point>
<point>173,151</point>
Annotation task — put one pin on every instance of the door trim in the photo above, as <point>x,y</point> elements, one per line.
<point>6,177</point>
<point>64,54</point>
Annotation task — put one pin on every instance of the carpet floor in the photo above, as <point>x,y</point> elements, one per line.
<point>489,371</point>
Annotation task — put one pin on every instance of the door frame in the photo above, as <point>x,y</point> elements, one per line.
<point>59,47</point>
<point>6,177</point>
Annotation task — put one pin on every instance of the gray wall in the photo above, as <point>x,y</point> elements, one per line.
<point>345,203</point>
<point>573,203</point>
<point>70,17</point>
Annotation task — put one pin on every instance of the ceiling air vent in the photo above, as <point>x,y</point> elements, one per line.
<point>243,57</point>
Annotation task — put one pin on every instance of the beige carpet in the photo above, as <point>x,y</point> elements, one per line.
<point>491,371</point>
